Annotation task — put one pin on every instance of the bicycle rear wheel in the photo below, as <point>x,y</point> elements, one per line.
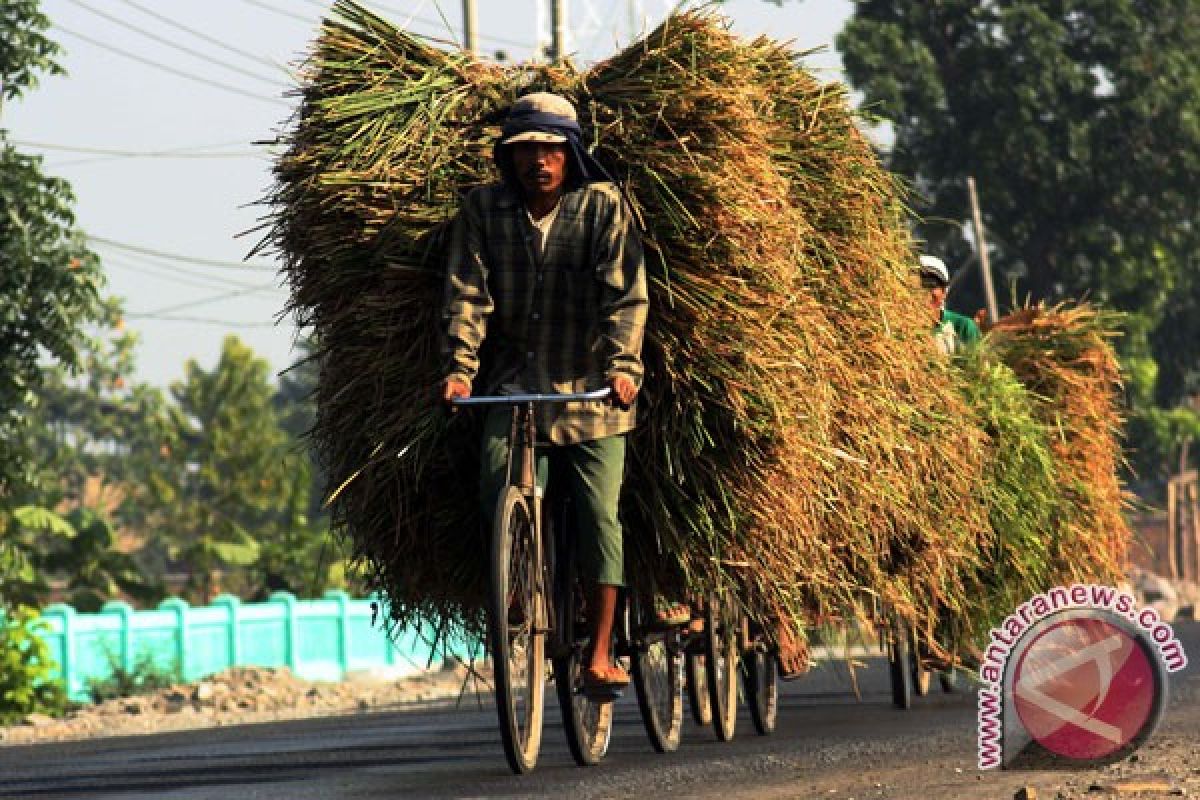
<point>586,722</point>
<point>721,663</point>
<point>922,676</point>
<point>761,681</point>
<point>657,661</point>
<point>516,629</point>
<point>899,664</point>
<point>696,679</point>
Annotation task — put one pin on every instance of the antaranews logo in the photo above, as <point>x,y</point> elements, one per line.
<point>1076,676</point>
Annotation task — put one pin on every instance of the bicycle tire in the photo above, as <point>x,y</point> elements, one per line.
<point>922,676</point>
<point>657,664</point>
<point>516,630</point>
<point>586,722</point>
<point>760,677</point>
<point>696,682</point>
<point>721,666</point>
<point>899,665</point>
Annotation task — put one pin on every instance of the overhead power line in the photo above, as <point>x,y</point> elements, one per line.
<point>174,44</point>
<point>202,35</point>
<point>172,70</point>
<point>228,323</point>
<point>281,12</point>
<point>158,270</point>
<point>204,262</point>
<point>376,6</point>
<point>203,301</point>
<point>103,151</point>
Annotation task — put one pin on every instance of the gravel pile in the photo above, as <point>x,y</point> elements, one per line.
<point>245,695</point>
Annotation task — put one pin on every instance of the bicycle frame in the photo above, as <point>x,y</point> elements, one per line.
<point>522,436</point>
<point>588,740</point>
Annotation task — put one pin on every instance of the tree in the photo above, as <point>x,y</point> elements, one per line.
<point>233,484</point>
<point>49,282</point>
<point>99,431</point>
<point>297,408</point>
<point>1078,120</point>
<point>222,466</point>
<point>94,568</point>
<point>301,555</point>
<point>1077,117</point>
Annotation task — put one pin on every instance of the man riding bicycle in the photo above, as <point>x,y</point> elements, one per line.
<point>545,292</point>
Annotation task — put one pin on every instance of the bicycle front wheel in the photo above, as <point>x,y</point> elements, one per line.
<point>516,628</point>
<point>658,679</point>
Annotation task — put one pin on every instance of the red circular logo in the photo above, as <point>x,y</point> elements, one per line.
<point>1084,688</point>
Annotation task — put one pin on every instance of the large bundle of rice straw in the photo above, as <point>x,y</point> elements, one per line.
<point>800,439</point>
<point>1044,386</point>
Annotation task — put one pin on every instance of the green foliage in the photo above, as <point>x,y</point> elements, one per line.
<point>295,402</point>
<point>233,486</point>
<point>144,677</point>
<point>1160,434</point>
<point>24,49</point>
<point>28,532</point>
<point>95,570</point>
<point>49,290</point>
<point>27,672</point>
<point>1078,120</point>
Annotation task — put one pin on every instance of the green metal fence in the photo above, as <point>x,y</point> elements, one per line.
<point>317,639</point>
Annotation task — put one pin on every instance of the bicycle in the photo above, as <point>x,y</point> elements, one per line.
<point>534,611</point>
<point>760,678</point>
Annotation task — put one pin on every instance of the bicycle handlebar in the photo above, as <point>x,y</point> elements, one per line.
<point>515,399</point>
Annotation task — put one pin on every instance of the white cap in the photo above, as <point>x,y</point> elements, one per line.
<point>934,268</point>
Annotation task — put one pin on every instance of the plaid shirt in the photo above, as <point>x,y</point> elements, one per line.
<point>565,321</point>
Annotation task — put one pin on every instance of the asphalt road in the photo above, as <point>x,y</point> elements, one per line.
<point>829,743</point>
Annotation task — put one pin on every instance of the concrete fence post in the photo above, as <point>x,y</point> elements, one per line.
<point>180,607</point>
<point>67,663</point>
<point>343,603</point>
<point>291,648</point>
<point>125,612</point>
<point>232,606</point>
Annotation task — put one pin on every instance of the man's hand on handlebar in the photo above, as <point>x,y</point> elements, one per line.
<point>454,390</point>
<point>623,390</point>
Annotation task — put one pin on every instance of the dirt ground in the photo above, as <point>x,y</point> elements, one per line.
<point>245,695</point>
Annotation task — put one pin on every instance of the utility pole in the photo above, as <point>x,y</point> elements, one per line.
<point>985,266</point>
<point>558,27</point>
<point>470,26</point>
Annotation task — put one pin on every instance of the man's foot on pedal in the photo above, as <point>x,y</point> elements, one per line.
<point>604,682</point>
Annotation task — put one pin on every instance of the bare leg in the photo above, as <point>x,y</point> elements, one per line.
<point>604,609</point>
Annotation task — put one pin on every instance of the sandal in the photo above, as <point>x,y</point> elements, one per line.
<point>669,614</point>
<point>604,680</point>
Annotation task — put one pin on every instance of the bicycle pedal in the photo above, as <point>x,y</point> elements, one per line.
<point>601,695</point>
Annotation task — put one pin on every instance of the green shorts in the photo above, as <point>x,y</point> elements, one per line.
<point>592,472</point>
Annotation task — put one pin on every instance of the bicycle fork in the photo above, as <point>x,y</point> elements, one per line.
<point>523,417</point>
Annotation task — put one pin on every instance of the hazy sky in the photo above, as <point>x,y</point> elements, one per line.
<point>153,126</point>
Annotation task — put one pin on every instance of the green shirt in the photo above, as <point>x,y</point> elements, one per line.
<point>955,331</point>
<point>563,320</point>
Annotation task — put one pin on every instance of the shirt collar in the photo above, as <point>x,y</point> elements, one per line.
<point>509,198</point>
